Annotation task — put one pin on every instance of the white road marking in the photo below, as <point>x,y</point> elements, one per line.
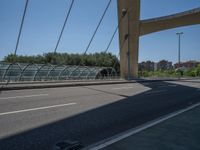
<point>146,83</point>
<point>129,87</point>
<point>25,96</point>
<point>121,136</point>
<point>165,86</point>
<point>155,92</point>
<point>195,86</point>
<point>173,85</point>
<point>34,109</point>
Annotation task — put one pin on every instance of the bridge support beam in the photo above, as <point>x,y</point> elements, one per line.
<point>129,32</point>
<point>131,28</point>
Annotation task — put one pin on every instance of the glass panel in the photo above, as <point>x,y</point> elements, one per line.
<point>42,72</point>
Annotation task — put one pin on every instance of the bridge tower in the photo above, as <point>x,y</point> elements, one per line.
<point>128,20</point>
<point>131,28</point>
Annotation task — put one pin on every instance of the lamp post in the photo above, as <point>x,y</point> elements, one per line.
<point>179,49</point>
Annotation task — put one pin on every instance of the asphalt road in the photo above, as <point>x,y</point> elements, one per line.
<point>37,119</point>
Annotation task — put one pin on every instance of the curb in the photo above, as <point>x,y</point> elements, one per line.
<point>74,84</point>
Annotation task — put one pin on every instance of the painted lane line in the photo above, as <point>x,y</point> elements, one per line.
<point>121,136</point>
<point>25,96</point>
<point>165,86</point>
<point>193,85</point>
<point>34,109</point>
<point>122,88</point>
<point>155,92</point>
<point>162,86</point>
<point>173,85</point>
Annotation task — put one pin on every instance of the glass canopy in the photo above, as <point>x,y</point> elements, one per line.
<point>44,72</point>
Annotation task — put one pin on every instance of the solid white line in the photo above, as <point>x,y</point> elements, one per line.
<point>122,88</point>
<point>34,109</point>
<point>173,85</point>
<point>194,86</point>
<point>116,138</point>
<point>25,96</point>
<point>155,92</point>
<point>163,86</point>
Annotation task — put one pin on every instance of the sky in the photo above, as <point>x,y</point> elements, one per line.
<point>45,18</point>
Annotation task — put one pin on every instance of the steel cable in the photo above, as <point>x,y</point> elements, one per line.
<point>125,13</point>
<point>21,26</point>
<point>112,37</point>
<point>63,27</point>
<point>88,46</point>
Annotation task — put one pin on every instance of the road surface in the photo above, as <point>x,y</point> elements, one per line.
<point>37,119</point>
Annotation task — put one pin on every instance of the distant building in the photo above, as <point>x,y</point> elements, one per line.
<point>153,66</point>
<point>164,65</point>
<point>188,64</point>
<point>146,66</point>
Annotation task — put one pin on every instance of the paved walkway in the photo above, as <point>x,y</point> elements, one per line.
<point>54,84</point>
<point>179,133</point>
<point>68,83</point>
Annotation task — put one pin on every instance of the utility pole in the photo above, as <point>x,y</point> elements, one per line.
<point>179,49</point>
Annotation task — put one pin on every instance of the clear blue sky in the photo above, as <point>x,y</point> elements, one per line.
<point>45,17</point>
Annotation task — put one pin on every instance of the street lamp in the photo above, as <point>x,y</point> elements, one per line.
<point>179,49</point>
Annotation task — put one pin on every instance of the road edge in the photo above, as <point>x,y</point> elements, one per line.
<point>73,84</point>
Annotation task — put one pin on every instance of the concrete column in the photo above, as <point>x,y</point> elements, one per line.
<point>129,32</point>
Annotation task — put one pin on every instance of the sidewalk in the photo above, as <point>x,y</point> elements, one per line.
<point>69,83</point>
<point>55,84</point>
<point>179,133</point>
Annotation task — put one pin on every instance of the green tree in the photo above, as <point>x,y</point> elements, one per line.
<point>97,59</point>
<point>198,70</point>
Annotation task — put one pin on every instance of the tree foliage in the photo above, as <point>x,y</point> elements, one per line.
<point>97,59</point>
<point>195,72</point>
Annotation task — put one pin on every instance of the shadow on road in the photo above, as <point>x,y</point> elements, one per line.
<point>106,121</point>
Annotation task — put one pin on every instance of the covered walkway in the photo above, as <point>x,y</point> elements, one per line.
<point>44,72</point>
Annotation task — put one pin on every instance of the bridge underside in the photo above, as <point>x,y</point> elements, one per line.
<point>186,18</point>
<point>131,28</point>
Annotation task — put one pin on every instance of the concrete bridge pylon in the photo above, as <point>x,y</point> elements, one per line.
<point>131,28</point>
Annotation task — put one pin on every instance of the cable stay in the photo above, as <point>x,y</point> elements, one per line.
<point>110,42</point>
<point>63,27</point>
<point>88,46</point>
<point>21,26</point>
<point>124,13</point>
<point>113,35</point>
